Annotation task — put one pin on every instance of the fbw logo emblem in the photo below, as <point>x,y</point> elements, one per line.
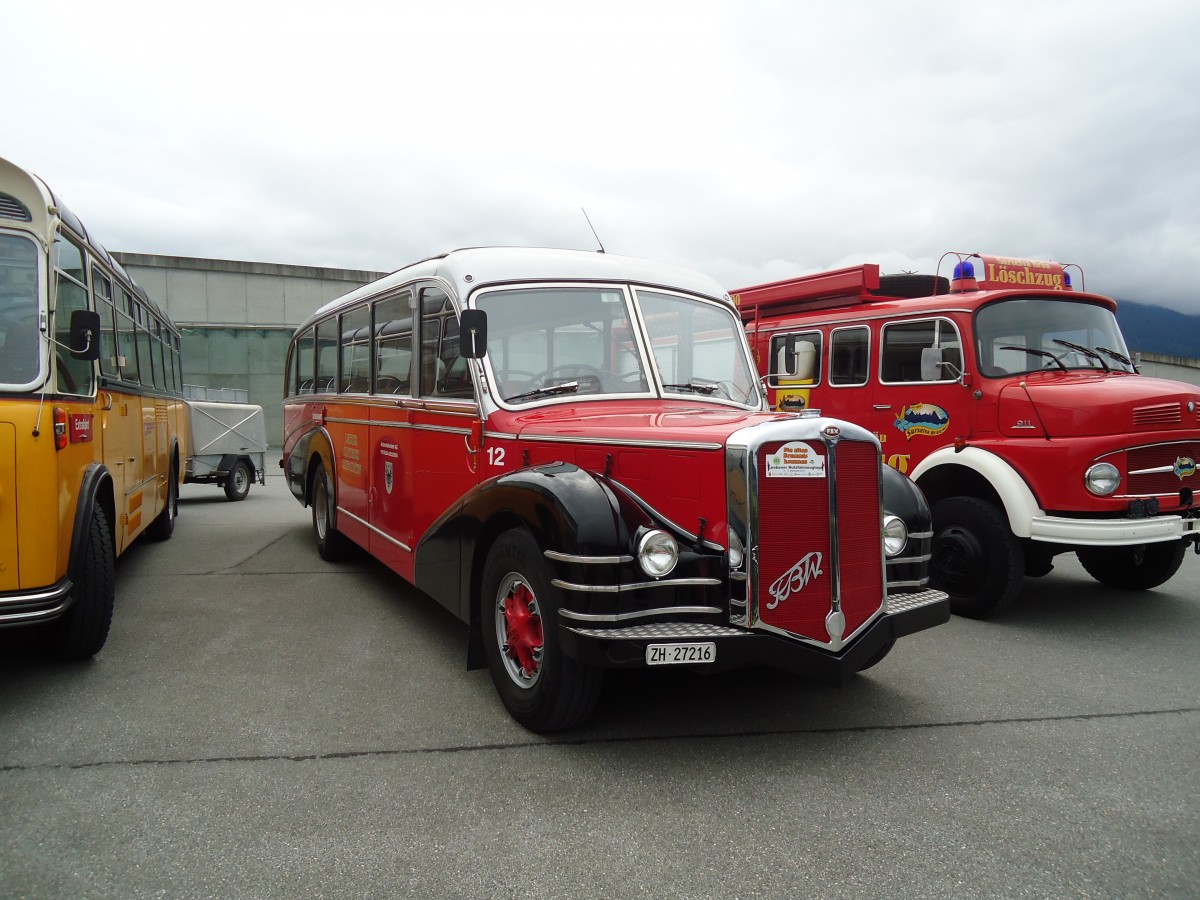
<point>795,579</point>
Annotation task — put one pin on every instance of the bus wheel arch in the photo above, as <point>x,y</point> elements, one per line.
<point>83,629</point>
<point>163,525</point>
<point>332,545</point>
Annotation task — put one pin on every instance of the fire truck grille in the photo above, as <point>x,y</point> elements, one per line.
<point>1161,414</point>
<point>1177,461</point>
<point>796,560</point>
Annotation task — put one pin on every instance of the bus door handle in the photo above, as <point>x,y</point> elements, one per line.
<point>882,406</point>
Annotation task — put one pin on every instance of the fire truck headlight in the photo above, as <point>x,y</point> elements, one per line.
<point>1102,479</point>
<point>657,553</point>
<point>895,535</point>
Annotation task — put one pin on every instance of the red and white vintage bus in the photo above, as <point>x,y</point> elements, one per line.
<point>571,452</point>
<point>1011,400</point>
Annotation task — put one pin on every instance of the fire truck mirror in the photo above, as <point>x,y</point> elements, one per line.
<point>472,334</point>
<point>85,334</point>
<point>931,364</point>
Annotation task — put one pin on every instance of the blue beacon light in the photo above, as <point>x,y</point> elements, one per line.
<point>964,277</point>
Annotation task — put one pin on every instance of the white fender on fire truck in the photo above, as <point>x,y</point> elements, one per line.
<point>1019,503</point>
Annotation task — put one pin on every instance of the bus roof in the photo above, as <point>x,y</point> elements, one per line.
<point>468,269</point>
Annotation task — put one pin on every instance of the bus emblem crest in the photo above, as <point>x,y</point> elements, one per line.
<point>387,475</point>
<point>1184,467</point>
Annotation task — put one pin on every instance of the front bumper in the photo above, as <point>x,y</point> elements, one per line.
<point>738,648</point>
<point>1111,532</point>
<point>41,605</point>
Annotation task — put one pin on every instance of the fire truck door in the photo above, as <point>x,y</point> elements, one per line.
<point>918,401</point>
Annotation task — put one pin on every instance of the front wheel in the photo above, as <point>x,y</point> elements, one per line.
<point>331,543</point>
<point>976,559</point>
<point>237,482</point>
<point>1137,568</point>
<point>542,688</point>
<point>82,630</point>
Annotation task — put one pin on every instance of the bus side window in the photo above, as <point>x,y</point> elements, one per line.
<point>848,355</point>
<point>75,376</point>
<point>393,344</point>
<point>102,289</point>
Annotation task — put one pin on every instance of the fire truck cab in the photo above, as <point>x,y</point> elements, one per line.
<point>572,453</point>
<point>1012,401</point>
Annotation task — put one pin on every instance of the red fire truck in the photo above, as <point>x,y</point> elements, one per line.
<point>572,453</point>
<point>1011,400</point>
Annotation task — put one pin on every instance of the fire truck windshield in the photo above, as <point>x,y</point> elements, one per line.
<point>18,311</point>
<point>1033,334</point>
<point>583,342</point>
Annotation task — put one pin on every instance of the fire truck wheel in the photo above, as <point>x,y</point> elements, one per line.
<point>1133,568</point>
<point>163,525</point>
<point>237,482</point>
<point>542,688</point>
<point>331,543</point>
<point>976,559</point>
<point>83,629</point>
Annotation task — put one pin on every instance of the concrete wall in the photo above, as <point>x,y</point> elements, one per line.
<point>1176,368</point>
<point>237,317</point>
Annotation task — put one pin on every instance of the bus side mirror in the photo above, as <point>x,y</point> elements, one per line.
<point>84,339</point>
<point>472,333</point>
<point>931,363</point>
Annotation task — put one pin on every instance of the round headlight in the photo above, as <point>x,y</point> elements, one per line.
<point>1102,479</point>
<point>895,535</point>
<point>736,551</point>
<point>657,553</point>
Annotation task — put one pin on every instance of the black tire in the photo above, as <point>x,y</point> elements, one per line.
<point>82,630</point>
<point>237,482</point>
<point>1137,568</point>
<point>542,688</point>
<point>911,285</point>
<point>163,525</point>
<point>976,559</point>
<point>331,543</point>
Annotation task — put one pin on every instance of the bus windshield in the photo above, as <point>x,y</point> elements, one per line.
<point>18,310</point>
<point>1038,334</point>
<point>554,341</point>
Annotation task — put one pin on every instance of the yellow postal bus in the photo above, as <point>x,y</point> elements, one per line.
<point>90,413</point>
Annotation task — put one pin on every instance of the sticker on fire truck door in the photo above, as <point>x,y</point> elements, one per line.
<point>795,460</point>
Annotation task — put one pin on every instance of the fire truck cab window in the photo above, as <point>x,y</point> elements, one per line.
<point>928,350</point>
<point>849,350</point>
<point>795,359</point>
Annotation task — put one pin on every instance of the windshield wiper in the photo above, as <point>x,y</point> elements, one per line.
<point>1035,352</point>
<point>1086,351</point>
<point>692,387</point>
<point>1117,356</point>
<point>567,387</point>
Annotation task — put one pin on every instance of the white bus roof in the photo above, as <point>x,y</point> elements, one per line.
<point>467,270</point>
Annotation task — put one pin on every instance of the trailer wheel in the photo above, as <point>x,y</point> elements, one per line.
<point>163,525</point>
<point>237,482</point>
<point>542,688</point>
<point>976,559</point>
<point>331,543</point>
<point>1136,568</point>
<point>82,630</point>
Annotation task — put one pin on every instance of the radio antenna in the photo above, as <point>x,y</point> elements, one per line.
<point>593,227</point>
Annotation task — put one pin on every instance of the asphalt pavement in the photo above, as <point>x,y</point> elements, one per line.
<point>265,724</point>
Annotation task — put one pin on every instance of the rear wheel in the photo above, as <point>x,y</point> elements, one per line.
<point>82,630</point>
<point>1136,568</point>
<point>542,688</point>
<point>331,543</point>
<point>163,525</point>
<point>237,482</point>
<point>976,559</point>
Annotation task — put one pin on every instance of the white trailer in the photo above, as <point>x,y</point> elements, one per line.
<point>228,446</point>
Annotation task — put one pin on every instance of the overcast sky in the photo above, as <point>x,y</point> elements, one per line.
<point>752,140</point>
